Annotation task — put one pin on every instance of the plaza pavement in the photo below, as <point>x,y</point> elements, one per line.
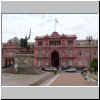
<point>24,79</point>
<point>45,79</point>
<point>71,79</point>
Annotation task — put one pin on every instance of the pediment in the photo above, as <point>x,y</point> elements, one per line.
<point>55,34</point>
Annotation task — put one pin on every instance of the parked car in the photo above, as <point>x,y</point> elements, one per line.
<point>64,67</point>
<point>54,69</point>
<point>48,69</point>
<point>42,68</point>
<point>3,66</point>
<point>71,70</point>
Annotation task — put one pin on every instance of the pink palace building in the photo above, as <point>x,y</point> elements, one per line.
<point>54,50</point>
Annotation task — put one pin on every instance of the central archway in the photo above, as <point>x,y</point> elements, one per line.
<point>55,59</point>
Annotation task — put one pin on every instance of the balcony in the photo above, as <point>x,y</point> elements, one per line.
<point>71,56</point>
<point>8,55</point>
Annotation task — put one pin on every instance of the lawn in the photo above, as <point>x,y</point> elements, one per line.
<point>94,76</point>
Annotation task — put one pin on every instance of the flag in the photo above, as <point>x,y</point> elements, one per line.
<point>56,20</point>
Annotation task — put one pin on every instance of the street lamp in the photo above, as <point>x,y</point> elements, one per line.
<point>89,39</point>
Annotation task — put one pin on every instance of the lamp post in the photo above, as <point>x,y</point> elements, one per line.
<point>89,39</point>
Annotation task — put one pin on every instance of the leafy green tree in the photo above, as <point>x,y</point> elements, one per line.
<point>94,65</point>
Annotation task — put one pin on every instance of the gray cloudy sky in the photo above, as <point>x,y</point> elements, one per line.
<point>18,25</point>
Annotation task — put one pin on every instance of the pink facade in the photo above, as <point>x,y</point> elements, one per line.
<point>56,50</point>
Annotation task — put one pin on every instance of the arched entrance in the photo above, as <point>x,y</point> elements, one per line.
<point>55,59</point>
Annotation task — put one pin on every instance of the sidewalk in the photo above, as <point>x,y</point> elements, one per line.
<point>71,79</point>
<point>24,80</point>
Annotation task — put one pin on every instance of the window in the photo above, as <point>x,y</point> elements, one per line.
<point>46,53</point>
<point>58,42</point>
<point>92,43</point>
<point>10,53</point>
<point>40,43</point>
<point>79,62</point>
<point>86,53</point>
<point>49,42</point>
<point>32,51</point>
<point>78,43</point>
<point>6,53</point>
<point>70,53</point>
<point>40,53</point>
<point>86,43</point>
<point>39,62</point>
<point>79,53</point>
<point>63,63</point>
<point>70,42</point>
<point>13,52</point>
<point>54,43</point>
<point>86,63</point>
<point>70,62</point>
<point>46,63</point>
<point>94,53</point>
<point>63,53</point>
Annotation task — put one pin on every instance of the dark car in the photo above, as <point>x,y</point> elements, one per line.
<point>5,66</point>
<point>64,68</point>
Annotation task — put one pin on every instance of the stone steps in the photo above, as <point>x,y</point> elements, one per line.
<point>24,70</point>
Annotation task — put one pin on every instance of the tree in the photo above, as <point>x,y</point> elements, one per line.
<point>94,65</point>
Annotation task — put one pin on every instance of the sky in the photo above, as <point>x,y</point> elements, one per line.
<point>18,25</point>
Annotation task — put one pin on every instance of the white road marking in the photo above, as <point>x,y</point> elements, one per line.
<point>92,80</point>
<point>52,80</point>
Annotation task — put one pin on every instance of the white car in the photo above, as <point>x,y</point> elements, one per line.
<point>48,69</point>
<point>54,68</point>
<point>71,70</point>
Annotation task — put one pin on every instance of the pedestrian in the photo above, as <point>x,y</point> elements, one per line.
<point>87,76</point>
<point>15,67</point>
<point>84,73</point>
<point>81,72</point>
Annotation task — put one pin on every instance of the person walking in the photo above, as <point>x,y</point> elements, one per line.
<point>15,67</point>
<point>87,75</point>
<point>60,69</point>
<point>82,72</point>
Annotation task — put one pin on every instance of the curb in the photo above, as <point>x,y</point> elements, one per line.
<point>92,80</point>
<point>38,82</point>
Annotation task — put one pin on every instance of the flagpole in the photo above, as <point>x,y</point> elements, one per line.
<point>29,34</point>
<point>55,24</point>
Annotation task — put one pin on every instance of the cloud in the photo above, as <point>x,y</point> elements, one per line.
<point>18,25</point>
